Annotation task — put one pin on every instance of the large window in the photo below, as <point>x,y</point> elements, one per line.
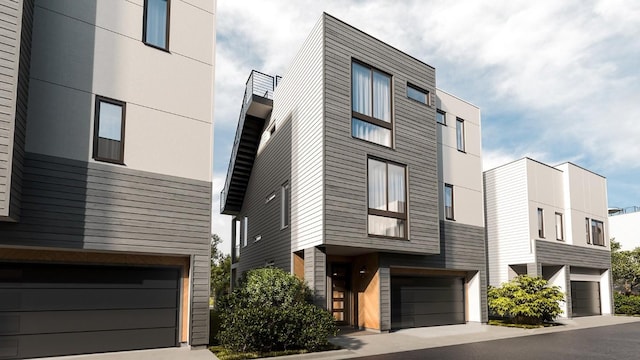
<point>448,201</point>
<point>155,30</point>
<point>559,227</point>
<point>387,193</point>
<point>108,142</point>
<point>540,223</point>
<point>460,134</point>
<point>370,105</point>
<point>285,213</point>
<point>597,232</point>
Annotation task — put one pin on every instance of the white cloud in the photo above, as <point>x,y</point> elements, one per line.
<point>559,78</point>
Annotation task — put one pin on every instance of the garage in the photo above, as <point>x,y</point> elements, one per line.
<point>52,309</point>
<point>585,298</point>
<point>427,301</point>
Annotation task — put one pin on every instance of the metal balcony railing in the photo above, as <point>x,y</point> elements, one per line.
<point>621,211</point>
<point>259,84</point>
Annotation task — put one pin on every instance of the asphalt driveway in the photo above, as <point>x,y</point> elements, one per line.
<point>606,342</point>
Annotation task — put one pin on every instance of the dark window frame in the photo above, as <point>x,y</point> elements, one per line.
<point>285,206</point>
<point>560,237</point>
<point>371,119</point>
<point>593,235</point>
<point>453,214</point>
<point>385,213</point>
<point>462,146</point>
<point>588,229</point>
<point>426,94</point>
<point>96,128</point>
<point>167,27</point>
<point>540,217</point>
<point>444,117</point>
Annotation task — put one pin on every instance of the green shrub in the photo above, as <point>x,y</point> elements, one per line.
<point>526,300</point>
<point>626,304</point>
<point>214,326</point>
<point>271,310</point>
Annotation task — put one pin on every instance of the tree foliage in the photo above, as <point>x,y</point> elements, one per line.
<point>271,310</point>
<point>220,270</point>
<point>625,268</point>
<point>526,300</point>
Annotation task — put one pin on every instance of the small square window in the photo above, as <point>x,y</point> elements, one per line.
<point>417,94</point>
<point>108,142</point>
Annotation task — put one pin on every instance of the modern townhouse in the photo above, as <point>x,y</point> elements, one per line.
<point>105,175</point>
<point>551,222</point>
<point>355,173</point>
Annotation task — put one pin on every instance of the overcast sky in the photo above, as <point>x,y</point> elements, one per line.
<point>555,80</point>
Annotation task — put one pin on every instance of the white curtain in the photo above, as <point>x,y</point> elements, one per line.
<point>396,188</point>
<point>384,226</point>
<point>377,185</point>
<point>157,22</point>
<point>381,97</point>
<point>361,89</point>
<point>366,131</point>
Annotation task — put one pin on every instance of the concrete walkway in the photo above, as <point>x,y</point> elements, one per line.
<point>181,353</point>
<point>365,343</point>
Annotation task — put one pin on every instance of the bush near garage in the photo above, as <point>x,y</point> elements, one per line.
<point>526,300</point>
<point>626,304</point>
<point>271,310</point>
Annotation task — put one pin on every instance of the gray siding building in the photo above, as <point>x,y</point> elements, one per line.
<point>105,175</point>
<point>344,171</point>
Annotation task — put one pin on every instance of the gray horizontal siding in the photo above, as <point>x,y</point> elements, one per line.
<point>462,247</point>
<point>16,18</point>
<point>553,253</point>
<point>346,157</point>
<point>271,169</point>
<point>69,204</point>
<point>72,204</point>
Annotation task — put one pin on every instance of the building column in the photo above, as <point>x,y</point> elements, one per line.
<point>315,274</point>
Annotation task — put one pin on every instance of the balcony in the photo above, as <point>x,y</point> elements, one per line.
<point>256,108</point>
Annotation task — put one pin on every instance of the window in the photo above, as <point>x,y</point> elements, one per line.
<point>448,201</point>
<point>559,227</point>
<point>441,117</point>
<point>387,215</point>
<point>597,232</point>
<point>417,94</point>
<point>155,31</point>
<point>370,105</point>
<point>285,212</point>
<point>245,231</point>
<point>460,134</point>
<point>108,142</point>
<point>587,228</point>
<point>540,223</point>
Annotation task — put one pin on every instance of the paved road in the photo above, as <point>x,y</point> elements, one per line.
<point>607,342</point>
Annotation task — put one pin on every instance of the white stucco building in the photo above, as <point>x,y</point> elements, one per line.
<point>550,222</point>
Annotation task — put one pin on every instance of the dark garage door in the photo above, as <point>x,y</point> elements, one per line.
<point>426,301</point>
<point>585,298</point>
<point>48,310</point>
